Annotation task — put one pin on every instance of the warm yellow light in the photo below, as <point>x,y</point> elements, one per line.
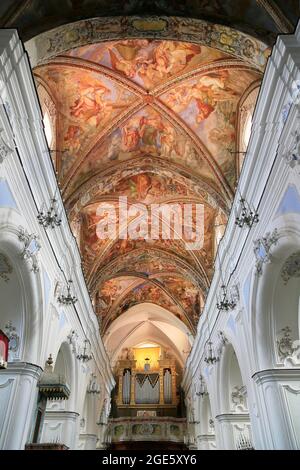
<point>146,345</point>
<point>153,354</point>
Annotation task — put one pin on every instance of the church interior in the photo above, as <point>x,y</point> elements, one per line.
<point>149,225</point>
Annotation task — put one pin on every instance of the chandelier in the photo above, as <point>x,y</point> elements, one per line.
<point>68,299</point>
<point>202,388</point>
<point>84,356</point>
<point>248,216</point>
<point>210,357</point>
<point>49,218</point>
<point>225,302</point>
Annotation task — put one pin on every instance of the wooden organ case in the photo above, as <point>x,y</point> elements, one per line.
<point>149,386</point>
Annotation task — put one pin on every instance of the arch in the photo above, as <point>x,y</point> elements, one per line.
<point>245,112</point>
<point>151,322</point>
<point>58,40</point>
<point>23,293</point>
<point>270,296</point>
<point>232,390</point>
<point>64,364</point>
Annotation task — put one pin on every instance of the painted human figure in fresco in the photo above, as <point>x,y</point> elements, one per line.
<point>140,186</point>
<point>90,104</point>
<point>128,56</point>
<point>168,58</point>
<point>142,131</point>
<point>130,138</point>
<point>145,293</point>
<point>150,128</point>
<point>206,92</point>
<point>149,62</point>
<point>72,138</point>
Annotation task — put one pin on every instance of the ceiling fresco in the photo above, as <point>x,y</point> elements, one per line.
<point>147,107</point>
<point>154,122</point>
<point>105,118</point>
<point>150,292</point>
<point>148,63</point>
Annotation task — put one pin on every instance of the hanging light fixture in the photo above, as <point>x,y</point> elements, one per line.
<point>248,216</point>
<point>84,356</point>
<point>210,357</point>
<point>68,299</point>
<point>202,388</point>
<point>50,217</point>
<point>225,302</point>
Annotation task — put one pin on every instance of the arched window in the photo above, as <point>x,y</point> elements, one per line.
<point>48,128</point>
<point>49,118</point>
<point>245,115</point>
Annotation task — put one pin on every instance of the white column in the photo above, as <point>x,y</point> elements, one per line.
<point>60,426</point>
<point>279,406</point>
<point>18,402</point>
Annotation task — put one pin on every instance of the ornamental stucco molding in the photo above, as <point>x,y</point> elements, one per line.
<point>221,343</point>
<point>291,267</point>
<point>93,387</point>
<point>288,349</point>
<point>292,155</point>
<point>31,247</point>
<point>5,268</point>
<point>14,339</point>
<point>262,249</point>
<point>5,149</point>
<point>94,30</point>
<point>73,341</point>
<point>238,398</point>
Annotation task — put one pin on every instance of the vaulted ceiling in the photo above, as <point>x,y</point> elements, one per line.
<point>261,18</point>
<point>148,108</point>
<point>155,121</point>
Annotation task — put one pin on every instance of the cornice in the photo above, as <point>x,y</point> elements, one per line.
<point>93,30</point>
<point>230,417</point>
<point>23,368</point>
<point>275,375</point>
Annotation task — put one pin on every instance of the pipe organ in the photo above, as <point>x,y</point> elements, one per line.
<point>150,385</point>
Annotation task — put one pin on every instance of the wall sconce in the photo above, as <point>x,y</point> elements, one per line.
<point>4,343</point>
